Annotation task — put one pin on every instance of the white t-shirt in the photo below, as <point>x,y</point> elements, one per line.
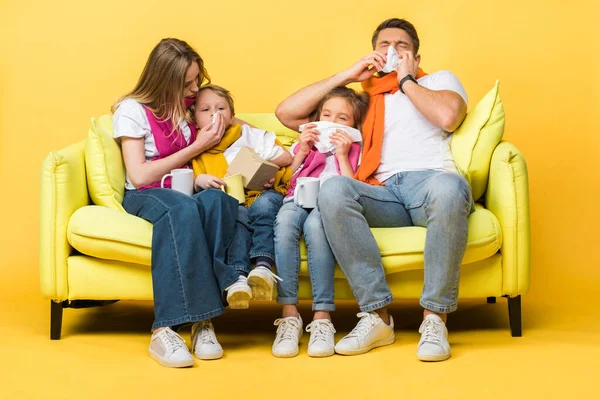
<point>130,120</point>
<point>411,142</point>
<point>263,142</point>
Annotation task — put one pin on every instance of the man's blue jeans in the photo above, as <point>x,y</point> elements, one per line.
<point>292,221</point>
<point>190,237</point>
<point>253,235</point>
<point>438,200</point>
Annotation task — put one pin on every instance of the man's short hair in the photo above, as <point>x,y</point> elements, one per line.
<point>398,24</point>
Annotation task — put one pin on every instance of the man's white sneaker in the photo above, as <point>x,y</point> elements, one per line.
<point>169,349</point>
<point>289,332</point>
<point>370,332</point>
<point>239,294</point>
<point>433,345</point>
<point>322,342</point>
<point>262,281</point>
<point>204,342</point>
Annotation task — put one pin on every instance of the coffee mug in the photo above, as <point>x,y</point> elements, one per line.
<point>307,190</point>
<point>182,180</point>
<point>235,187</point>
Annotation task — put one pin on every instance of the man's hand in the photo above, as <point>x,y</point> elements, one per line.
<point>206,181</point>
<point>409,64</point>
<point>342,142</point>
<point>210,135</point>
<point>307,139</point>
<point>364,68</point>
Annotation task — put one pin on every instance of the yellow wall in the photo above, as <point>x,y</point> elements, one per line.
<point>63,62</point>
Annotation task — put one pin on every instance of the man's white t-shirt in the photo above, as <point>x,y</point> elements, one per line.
<point>411,142</point>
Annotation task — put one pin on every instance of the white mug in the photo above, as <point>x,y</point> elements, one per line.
<point>182,180</point>
<point>307,190</point>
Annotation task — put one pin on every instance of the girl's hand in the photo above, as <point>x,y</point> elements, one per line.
<point>206,181</point>
<point>210,135</point>
<point>308,138</point>
<point>342,142</point>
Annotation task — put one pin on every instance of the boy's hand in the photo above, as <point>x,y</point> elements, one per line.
<point>210,135</point>
<point>364,68</point>
<point>308,138</point>
<point>206,181</point>
<point>269,184</point>
<point>342,142</point>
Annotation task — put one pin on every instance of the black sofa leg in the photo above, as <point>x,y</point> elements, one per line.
<point>514,316</point>
<point>491,300</point>
<point>56,313</point>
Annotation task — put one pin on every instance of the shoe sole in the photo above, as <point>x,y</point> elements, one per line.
<point>289,355</point>
<point>239,300</point>
<point>442,357</point>
<point>321,355</point>
<point>261,289</point>
<point>181,364</point>
<point>380,343</point>
<point>209,356</point>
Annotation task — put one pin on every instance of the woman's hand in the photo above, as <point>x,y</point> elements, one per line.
<point>210,135</point>
<point>307,139</point>
<point>206,181</point>
<point>342,142</point>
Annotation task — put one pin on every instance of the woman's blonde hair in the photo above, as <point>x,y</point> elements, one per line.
<point>162,82</point>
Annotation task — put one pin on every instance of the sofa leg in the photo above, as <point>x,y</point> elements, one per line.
<point>491,300</point>
<point>56,313</point>
<point>514,316</point>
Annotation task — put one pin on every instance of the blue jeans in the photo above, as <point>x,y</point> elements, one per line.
<point>292,220</point>
<point>253,235</point>
<point>190,237</point>
<point>440,201</point>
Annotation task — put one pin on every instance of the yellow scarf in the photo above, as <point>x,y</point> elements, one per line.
<point>213,162</point>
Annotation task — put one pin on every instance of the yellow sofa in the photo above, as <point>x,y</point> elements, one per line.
<point>92,253</point>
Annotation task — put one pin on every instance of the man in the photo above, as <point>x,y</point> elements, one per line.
<point>407,177</point>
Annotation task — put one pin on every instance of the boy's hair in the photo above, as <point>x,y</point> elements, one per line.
<point>161,84</point>
<point>221,92</point>
<point>398,24</point>
<point>358,101</point>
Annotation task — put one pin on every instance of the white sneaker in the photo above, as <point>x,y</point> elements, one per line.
<point>262,280</point>
<point>370,332</point>
<point>433,345</point>
<point>204,342</point>
<point>322,342</point>
<point>289,332</point>
<point>239,294</point>
<point>169,349</point>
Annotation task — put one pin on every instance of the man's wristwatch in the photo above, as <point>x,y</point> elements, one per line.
<point>408,77</point>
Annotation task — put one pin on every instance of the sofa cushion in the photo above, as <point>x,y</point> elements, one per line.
<point>104,165</point>
<point>109,234</point>
<point>475,140</point>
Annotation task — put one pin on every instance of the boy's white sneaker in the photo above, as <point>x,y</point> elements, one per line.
<point>289,332</point>
<point>204,342</point>
<point>239,294</point>
<point>369,333</point>
<point>262,281</point>
<point>433,345</point>
<point>169,349</point>
<point>322,341</point>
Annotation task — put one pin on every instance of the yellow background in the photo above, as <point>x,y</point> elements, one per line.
<point>63,62</point>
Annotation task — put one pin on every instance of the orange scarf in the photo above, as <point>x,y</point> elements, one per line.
<point>372,129</point>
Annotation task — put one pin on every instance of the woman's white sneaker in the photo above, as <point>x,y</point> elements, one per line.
<point>369,333</point>
<point>289,332</point>
<point>169,349</point>
<point>433,345</point>
<point>322,341</point>
<point>262,281</point>
<point>204,342</point>
<point>239,294</point>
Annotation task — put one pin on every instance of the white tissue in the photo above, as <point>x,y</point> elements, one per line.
<point>392,60</point>
<point>325,129</point>
<point>214,118</point>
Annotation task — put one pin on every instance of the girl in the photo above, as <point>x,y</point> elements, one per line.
<point>253,238</point>
<point>190,233</point>
<point>346,107</point>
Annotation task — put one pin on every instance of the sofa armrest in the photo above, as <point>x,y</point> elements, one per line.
<point>507,197</point>
<point>63,189</point>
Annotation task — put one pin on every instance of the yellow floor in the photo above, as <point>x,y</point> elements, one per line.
<point>103,355</point>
